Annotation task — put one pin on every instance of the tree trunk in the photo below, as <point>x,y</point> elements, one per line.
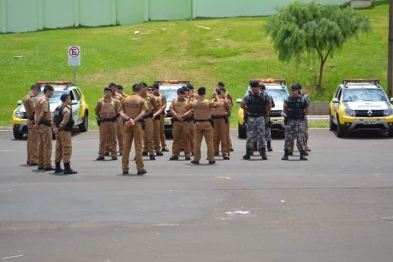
<point>323,60</point>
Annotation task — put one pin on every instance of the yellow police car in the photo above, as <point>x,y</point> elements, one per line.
<point>277,89</point>
<point>169,89</point>
<point>80,111</point>
<point>360,105</point>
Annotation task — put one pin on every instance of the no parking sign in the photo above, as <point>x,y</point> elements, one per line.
<point>74,56</point>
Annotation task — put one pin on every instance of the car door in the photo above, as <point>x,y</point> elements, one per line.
<point>75,106</point>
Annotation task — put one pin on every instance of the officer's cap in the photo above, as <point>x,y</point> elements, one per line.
<point>63,97</point>
<point>111,84</point>
<point>181,91</point>
<point>119,87</point>
<point>185,88</point>
<point>201,90</point>
<point>218,91</point>
<point>143,84</point>
<point>222,89</point>
<point>262,86</point>
<point>221,84</point>
<point>190,86</point>
<point>107,89</point>
<point>254,84</point>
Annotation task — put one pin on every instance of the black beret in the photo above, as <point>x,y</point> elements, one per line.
<point>202,89</point>
<point>298,86</point>
<point>190,86</point>
<point>262,86</point>
<point>221,84</point>
<point>143,84</point>
<point>63,97</point>
<point>254,84</point>
<point>295,87</point>
<point>222,89</point>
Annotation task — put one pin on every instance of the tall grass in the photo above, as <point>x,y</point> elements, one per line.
<point>234,51</point>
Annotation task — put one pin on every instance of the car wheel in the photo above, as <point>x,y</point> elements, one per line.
<point>84,126</point>
<point>341,129</point>
<point>390,132</point>
<point>18,135</point>
<point>241,131</point>
<point>332,125</point>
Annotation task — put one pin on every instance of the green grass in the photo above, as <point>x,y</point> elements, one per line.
<point>318,123</point>
<point>233,51</point>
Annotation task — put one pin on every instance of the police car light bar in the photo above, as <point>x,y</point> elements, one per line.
<point>361,80</point>
<point>54,82</point>
<point>172,81</point>
<point>269,80</point>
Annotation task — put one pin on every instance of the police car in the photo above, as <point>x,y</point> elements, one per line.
<point>169,89</point>
<point>80,111</point>
<point>276,88</point>
<point>358,105</point>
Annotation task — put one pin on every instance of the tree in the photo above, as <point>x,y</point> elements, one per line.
<point>306,28</point>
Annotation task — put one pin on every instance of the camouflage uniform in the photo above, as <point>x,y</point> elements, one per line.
<point>255,132</point>
<point>295,124</point>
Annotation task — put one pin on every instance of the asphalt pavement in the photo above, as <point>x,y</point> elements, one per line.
<point>337,206</point>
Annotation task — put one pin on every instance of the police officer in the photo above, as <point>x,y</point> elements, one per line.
<point>120,91</point>
<point>180,125</point>
<point>148,138</point>
<point>203,124</point>
<point>106,112</point>
<point>295,107</point>
<point>256,106</point>
<point>268,133</point>
<point>119,123</point>
<point>305,130</point>
<point>132,109</point>
<point>229,98</point>
<point>63,126</point>
<point>32,138</point>
<point>161,117</point>
<point>43,125</point>
<point>220,118</point>
<point>157,112</point>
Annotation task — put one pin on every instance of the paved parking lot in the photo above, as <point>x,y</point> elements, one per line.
<point>335,207</point>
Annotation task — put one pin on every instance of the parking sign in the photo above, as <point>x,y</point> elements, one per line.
<point>74,56</point>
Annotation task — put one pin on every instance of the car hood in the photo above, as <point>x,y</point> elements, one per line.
<point>278,106</point>
<point>372,105</point>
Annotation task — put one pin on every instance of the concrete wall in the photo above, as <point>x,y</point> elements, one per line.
<point>33,15</point>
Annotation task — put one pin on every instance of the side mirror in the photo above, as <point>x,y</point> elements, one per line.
<point>335,100</point>
<point>19,102</point>
<point>239,100</point>
<point>74,102</point>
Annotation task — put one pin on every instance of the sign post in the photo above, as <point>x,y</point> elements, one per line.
<point>74,58</point>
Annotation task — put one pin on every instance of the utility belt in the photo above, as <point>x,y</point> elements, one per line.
<point>158,117</point>
<point>225,117</point>
<point>30,117</point>
<point>255,114</point>
<point>205,120</point>
<point>188,119</point>
<point>149,115</point>
<point>107,120</point>
<point>45,123</point>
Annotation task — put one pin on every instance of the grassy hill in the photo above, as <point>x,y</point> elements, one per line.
<point>233,50</point>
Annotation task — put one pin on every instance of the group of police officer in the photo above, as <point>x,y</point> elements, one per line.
<point>40,127</point>
<point>257,106</point>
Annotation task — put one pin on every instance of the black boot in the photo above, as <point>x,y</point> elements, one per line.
<point>248,153</point>
<point>285,157</point>
<point>262,150</point>
<point>68,170</point>
<point>58,169</point>
<point>269,146</point>
<point>302,155</point>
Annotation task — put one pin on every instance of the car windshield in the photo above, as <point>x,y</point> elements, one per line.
<point>169,94</point>
<point>277,94</point>
<point>363,94</point>
<point>55,97</point>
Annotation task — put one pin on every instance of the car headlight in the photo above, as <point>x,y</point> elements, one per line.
<point>350,112</point>
<point>19,114</point>
<point>387,112</point>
